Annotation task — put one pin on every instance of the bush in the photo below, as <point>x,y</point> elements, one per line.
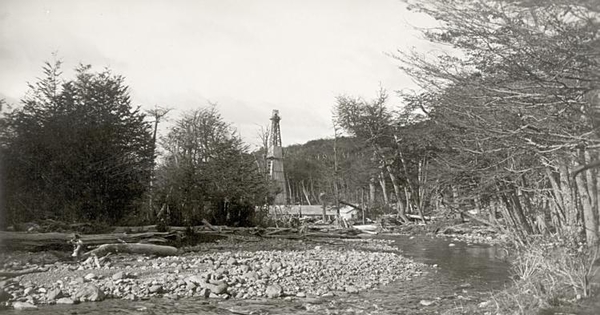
<point>548,272</point>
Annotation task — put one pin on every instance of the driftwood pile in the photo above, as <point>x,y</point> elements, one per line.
<point>147,240</point>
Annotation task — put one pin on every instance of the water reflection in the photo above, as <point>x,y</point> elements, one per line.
<point>480,263</point>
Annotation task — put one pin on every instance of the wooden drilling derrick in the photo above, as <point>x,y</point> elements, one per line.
<point>275,159</point>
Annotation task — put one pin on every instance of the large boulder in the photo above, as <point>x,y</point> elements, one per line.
<point>54,294</point>
<point>89,292</point>
<point>274,291</point>
<point>23,305</point>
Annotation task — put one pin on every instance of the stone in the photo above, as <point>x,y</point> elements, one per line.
<point>23,305</point>
<point>119,275</point>
<point>130,297</point>
<point>195,279</point>
<point>89,292</point>
<point>54,294</point>
<point>90,276</point>
<point>250,275</point>
<point>301,294</point>
<point>191,286</point>
<point>218,288</point>
<point>426,302</point>
<point>351,289</point>
<point>231,261</point>
<point>204,292</point>
<point>274,291</point>
<point>157,288</point>
<point>65,300</point>
<point>28,291</point>
<point>5,296</point>
<point>78,280</point>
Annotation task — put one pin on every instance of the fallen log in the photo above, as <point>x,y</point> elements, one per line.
<point>146,249</point>
<point>11,274</point>
<point>20,240</point>
<point>210,226</point>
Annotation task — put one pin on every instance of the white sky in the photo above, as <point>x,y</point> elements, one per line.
<point>248,56</point>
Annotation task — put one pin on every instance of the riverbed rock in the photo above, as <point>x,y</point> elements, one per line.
<point>274,291</point>
<point>426,302</point>
<point>119,275</point>
<point>65,300</point>
<point>54,294</point>
<point>157,288</point>
<point>89,292</point>
<point>351,289</point>
<point>90,276</point>
<point>219,287</point>
<point>5,296</point>
<point>23,305</point>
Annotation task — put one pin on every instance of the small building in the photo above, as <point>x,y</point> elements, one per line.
<point>349,213</point>
<point>304,211</point>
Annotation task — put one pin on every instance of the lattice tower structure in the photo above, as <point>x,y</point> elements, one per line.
<point>275,159</point>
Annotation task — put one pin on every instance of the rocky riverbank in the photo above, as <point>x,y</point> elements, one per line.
<point>238,269</point>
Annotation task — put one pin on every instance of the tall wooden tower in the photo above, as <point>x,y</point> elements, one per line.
<point>275,159</point>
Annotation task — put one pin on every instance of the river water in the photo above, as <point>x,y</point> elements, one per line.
<point>466,274</point>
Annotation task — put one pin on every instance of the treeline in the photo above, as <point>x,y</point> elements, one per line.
<point>78,150</point>
<point>506,122</point>
<point>514,110</point>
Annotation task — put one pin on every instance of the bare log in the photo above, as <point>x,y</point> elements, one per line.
<point>146,249</point>
<point>23,240</point>
<point>210,226</point>
<point>11,274</point>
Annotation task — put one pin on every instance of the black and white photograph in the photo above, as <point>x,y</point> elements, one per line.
<point>275,157</point>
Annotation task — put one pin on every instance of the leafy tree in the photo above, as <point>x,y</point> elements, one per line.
<point>208,174</point>
<point>76,149</point>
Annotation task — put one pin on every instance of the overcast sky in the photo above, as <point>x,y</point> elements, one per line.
<point>249,57</point>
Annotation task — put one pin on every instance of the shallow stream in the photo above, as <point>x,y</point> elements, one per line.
<point>465,274</point>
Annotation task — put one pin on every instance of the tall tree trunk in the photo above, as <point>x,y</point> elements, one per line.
<point>399,205</point>
<point>557,212</point>
<point>372,190</point>
<point>592,184</point>
<point>519,213</point>
<point>305,191</point>
<point>589,215</point>
<point>567,196</point>
<point>383,188</point>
